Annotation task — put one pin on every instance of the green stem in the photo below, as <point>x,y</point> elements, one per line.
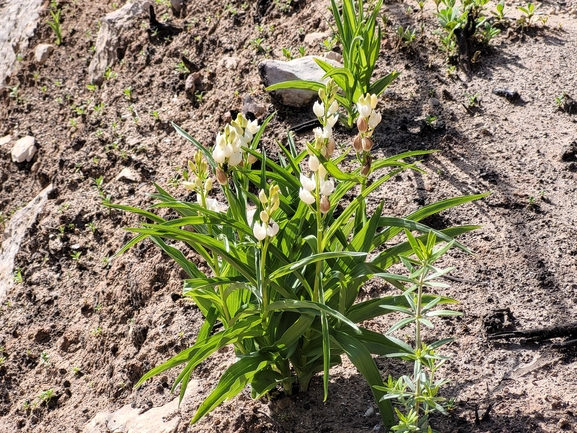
<point>418,344</point>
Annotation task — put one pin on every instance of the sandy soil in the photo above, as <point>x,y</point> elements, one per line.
<point>103,324</point>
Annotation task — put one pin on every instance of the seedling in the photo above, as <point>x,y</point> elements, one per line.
<point>406,36</point>
<point>330,43</point>
<point>181,68</point>
<point>45,357</point>
<point>529,12</point>
<point>499,13</point>
<point>560,100</point>
<point>109,74</point>
<point>17,278</point>
<point>46,396</point>
<point>92,226</point>
<point>287,53</point>
<point>97,332</point>
<point>14,91</point>
<point>302,51</point>
<point>55,25</point>
<point>92,87</point>
<point>128,93</point>
<point>473,100</point>
<point>77,371</point>
<point>75,255</point>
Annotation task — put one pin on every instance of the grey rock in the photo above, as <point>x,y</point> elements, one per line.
<point>111,37</point>
<point>5,139</point>
<point>18,20</point>
<point>42,52</point>
<point>24,149</point>
<point>249,105</point>
<point>304,68</point>
<point>13,236</point>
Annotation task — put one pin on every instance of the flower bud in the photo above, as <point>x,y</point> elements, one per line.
<point>208,185</point>
<point>251,158</point>
<point>313,163</point>
<point>188,185</point>
<point>357,144</point>
<point>367,144</point>
<point>362,124</point>
<point>325,204</point>
<point>263,216</point>
<point>330,147</point>
<point>221,177</point>
<point>366,168</point>
<point>198,182</point>
<point>319,109</point>
<point>262,196</point>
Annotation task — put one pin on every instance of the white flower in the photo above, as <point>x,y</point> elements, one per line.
<point>374,101</point>
<point>218,154</point>
<point>259,231</point>
<point>306,196</point>
<point>319,109</point>
<point>322,173</point>
<point>332,120</point>
<point>327,187</point>
<point>307,183</point>
<point>374,119</point>
<point>364,107</point>
<point>252,127</point>
<point>212,204</point>
<point>313,163</point>
<point>334,107</point>
<point>235,159</point>
<point>272,228</point>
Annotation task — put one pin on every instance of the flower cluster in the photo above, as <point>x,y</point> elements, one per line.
<point>366,123</point>
<point>228,151</point>
<point>267,226</point>
<point>198,179</point>
<point>326,111</point>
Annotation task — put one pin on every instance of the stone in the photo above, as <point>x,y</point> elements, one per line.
<point>18,23</point>
<point>316,38</point>
<point>333,55</point>
<point>111,38</point>
<point>128,174</point>
<point>5,139</point>
<point>178,8</point>
<point>249,105</point>
<point>13,236</point>
<point>229,63</point>
<point>24,149</point>
<point>303,68</point>
<point>42,52</point>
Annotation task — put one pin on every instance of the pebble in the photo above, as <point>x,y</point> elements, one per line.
<point>5,139</point>
<point>128,174</point>
<point>24,149</point>
<point>42,52</point>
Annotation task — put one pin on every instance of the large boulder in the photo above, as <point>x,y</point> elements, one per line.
<point>112,38</point>
<point>303,68</point>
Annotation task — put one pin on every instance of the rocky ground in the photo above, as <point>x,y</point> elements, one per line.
<point>78,330</point>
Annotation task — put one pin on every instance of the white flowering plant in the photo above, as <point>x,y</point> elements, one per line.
<point>287,256</point>
<point>360,35</point>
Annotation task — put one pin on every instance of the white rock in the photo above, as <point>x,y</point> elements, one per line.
<point>303,68</point>
<point>42,52</point>
<point>229,63</point>
<point>5,139</point>
<point>13,235</point>
<point>24,149</point>
<point>317,38</point>
<point>111,37</point>
<point>128,174</point>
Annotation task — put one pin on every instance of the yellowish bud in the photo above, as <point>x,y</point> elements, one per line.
<point>262,196</point>
<point>263,216</point>
<point>208,185</point>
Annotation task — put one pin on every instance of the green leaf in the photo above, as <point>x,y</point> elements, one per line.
<point>233,381</point>
<point>363,361</point>
<point>207,154</point>
<point>313,259</point>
